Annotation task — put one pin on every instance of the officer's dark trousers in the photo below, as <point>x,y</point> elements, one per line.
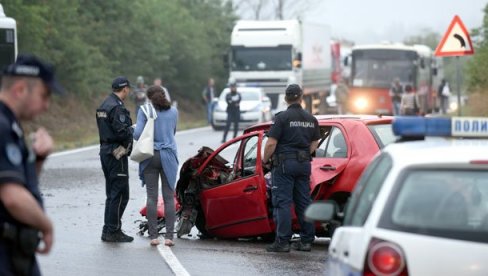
<point>232,117</point>
<point>6,268</point>
<point>291,183</point>
<point>116,189</point>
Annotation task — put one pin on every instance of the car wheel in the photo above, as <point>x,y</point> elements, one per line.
<point>200,224</point>
<point>216,127</point>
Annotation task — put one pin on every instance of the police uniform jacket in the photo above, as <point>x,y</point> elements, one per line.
<point>294,129</point>
<point>114,124</point>
<point>17,164</point>
<point>233,102</point>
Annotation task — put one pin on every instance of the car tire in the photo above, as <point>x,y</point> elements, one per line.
<point>200,224</point>
<point>216,127</point>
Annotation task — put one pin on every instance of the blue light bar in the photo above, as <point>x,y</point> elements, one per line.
<point>421,126</point>
<point>440,127</point>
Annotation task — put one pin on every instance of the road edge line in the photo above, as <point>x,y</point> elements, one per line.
<point>66,152</point>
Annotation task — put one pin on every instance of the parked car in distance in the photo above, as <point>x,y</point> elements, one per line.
<point>255,108</point>
<point>420,207</point>
<point>226,192</point>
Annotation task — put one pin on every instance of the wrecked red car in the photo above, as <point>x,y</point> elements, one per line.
<point>225,193</point>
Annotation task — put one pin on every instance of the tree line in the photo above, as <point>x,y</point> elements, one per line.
<point>91,42</point>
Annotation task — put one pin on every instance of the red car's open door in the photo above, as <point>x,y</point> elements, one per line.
<point>238,208</point>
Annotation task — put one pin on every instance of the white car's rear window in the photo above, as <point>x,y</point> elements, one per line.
<point>441,202</point>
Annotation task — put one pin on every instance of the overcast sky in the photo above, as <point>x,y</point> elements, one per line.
<point>370,21</point>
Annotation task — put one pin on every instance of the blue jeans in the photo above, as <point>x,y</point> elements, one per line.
<point>209,112</point>
<point>396,108</point>
<point>291,184</point>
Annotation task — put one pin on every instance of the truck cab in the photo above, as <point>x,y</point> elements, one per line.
<point>273,54</point>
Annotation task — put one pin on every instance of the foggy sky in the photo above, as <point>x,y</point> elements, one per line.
<point>370,21</point>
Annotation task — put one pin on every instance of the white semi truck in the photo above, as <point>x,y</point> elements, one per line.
<point>273,54</point>
<point>8,39</point>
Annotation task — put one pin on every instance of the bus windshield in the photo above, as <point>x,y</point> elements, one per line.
<point>262,58</point>
<point>379,67</point>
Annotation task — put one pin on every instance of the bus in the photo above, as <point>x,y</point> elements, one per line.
<point>375,67</point>
<point>8,39</point>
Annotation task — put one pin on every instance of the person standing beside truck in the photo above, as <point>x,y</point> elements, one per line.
<point>208,94</point>
<point>342,95</point>
<point>159,82</point>
<point>396,92</point>
<point>25,93</point>
<point>293,137</point>
<point>233,99</point>
<point>139,93</point>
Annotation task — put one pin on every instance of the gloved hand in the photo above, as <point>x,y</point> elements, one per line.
<point>118,152</point>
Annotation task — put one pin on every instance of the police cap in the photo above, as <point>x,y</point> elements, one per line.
<point>293,91</point>
<point>120,82</point>
<point>31,66</point>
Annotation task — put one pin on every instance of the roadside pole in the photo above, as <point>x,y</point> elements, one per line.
<point>458,77</point>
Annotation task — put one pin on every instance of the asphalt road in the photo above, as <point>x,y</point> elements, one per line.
<point>74,192</point>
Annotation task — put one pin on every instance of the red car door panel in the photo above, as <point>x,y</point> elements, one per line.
<point>239,206</point>
<point>325,169</point>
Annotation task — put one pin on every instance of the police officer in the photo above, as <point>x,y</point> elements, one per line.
<point>115,131</point>
<point>293,136</point>
<point>233,100</point>
<point>25,93</point>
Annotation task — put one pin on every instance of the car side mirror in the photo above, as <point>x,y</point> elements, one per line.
<point>321,211</point>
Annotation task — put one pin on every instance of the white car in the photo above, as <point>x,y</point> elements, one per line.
<point>255,108</point>
<point>420,207</point>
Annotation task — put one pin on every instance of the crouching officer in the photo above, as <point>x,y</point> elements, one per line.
<point>293,137</point>
<point>25,93</point>
<point>115,131</point>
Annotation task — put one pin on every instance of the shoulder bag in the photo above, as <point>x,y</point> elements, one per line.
<point>144,147</point>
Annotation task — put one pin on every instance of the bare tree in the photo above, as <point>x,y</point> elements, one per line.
<point>293,8</point>
<point>274,9</point>
<point>253,6</point>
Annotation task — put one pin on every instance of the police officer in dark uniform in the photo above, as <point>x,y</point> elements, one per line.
<point>115,131</point>
<point>233,100</point>
<point>25,93</point>
<point>292,139</point>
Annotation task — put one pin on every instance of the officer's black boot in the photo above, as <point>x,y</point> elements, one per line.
<point>302,246</point>
<point>278,247</point>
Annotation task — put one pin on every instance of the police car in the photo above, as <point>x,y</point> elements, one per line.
<point>420,207</point>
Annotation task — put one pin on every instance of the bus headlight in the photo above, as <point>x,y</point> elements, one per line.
<point>453,106</point>
<point>360,103</point>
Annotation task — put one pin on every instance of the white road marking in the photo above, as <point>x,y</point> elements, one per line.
<point>171,260</point>
<point>73,151</point>
<point>164,251</point>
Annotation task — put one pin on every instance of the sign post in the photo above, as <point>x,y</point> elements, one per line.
<point>456,42</point>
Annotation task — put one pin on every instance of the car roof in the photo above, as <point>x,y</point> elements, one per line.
<point>437,150</point>
<point>366,119</point>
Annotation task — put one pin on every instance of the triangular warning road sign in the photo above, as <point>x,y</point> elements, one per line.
<point>456,41</point>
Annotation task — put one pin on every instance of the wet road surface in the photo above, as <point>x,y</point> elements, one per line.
<point>74,192</point>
